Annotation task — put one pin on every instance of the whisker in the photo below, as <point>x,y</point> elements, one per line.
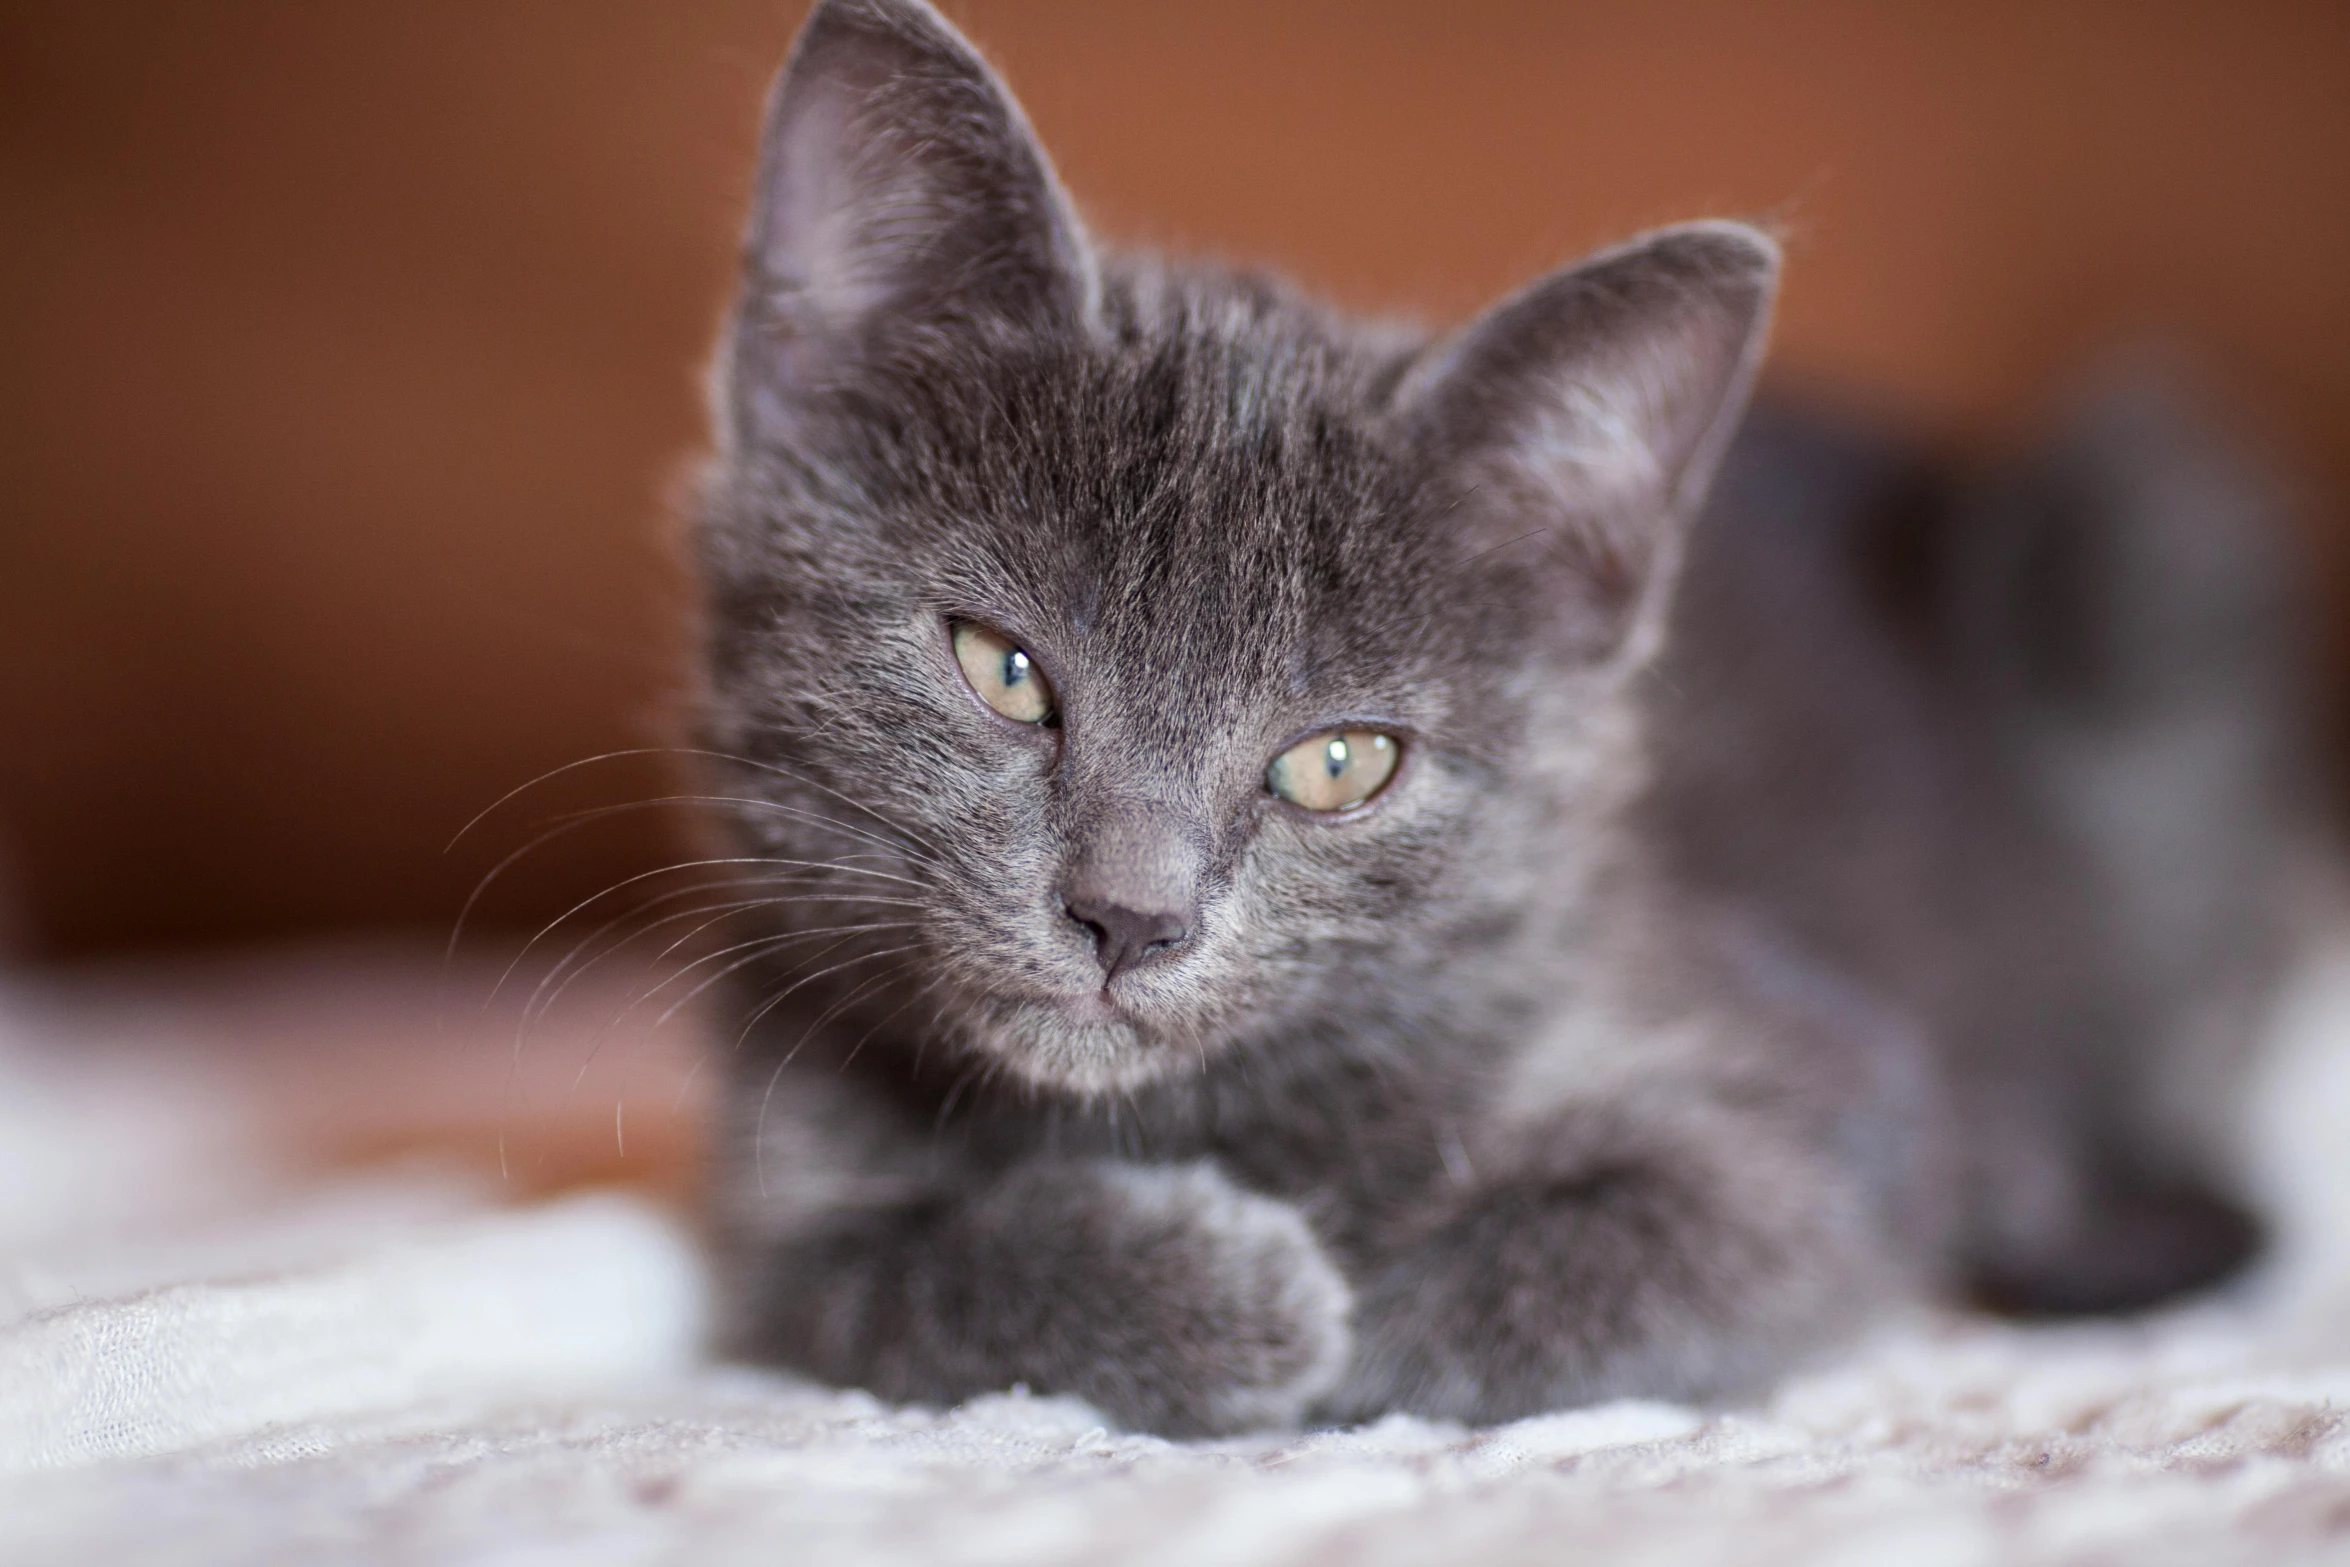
<point>629,881</point>
<point>759,1124</point>
<point>542,1003</point>
<point>954,1094</point>
<point>738,884</point>
<point>565,826</point>
<point>765,945</point>
<point>854,804</point>
<point>780,807</point>
<point>922,849</point>
<point>723,911</point>
<point>776,1000</point>
<point>889,1017</point>
<point>574,820</point>
<point>827,881</point>
<point>833,1011</point>
<point>530,1017</point>
<point>769,942</point>
<point>685,750</point>
<point>930,1029</point>
<point>626,916</point>
<point>685,1083</point>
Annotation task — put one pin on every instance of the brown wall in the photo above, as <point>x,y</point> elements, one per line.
<point>348,350</point>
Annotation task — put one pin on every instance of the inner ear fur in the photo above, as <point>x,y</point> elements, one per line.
<point>1575,426</point>
<point>901,194</point>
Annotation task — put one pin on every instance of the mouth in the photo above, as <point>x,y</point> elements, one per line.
<point>1085,1044</point>
<point>1094,1006</point>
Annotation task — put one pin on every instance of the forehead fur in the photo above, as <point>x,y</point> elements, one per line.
<point>1209,474</point>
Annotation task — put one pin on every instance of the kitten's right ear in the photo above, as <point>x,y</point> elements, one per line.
<point>1577,423</point>
<point>900,190</point>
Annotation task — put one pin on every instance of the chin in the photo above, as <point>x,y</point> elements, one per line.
<point>1080,1048</point>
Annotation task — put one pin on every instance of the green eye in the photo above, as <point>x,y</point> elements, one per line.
<point>1005,677</point>
<point>1335,770</point>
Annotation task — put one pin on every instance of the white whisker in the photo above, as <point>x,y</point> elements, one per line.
<point>759,1123</point>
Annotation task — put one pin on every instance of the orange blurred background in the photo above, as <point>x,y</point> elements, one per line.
<point>351,351</point>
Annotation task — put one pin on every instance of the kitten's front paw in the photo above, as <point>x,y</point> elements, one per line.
<point>1210,1309</point>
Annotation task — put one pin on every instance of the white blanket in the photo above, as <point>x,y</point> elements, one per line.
<point>203,1359</point>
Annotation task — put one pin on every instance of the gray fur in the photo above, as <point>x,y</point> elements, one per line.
<point>1678,1002</point>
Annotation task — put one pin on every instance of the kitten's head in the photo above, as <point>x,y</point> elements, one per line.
<point>1129,663</point>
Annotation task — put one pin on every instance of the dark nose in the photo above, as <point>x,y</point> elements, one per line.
<point>1134,882</point>
<point>1123,937</point>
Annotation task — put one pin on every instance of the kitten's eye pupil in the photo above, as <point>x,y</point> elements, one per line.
<point>1003,674</point>
<point>1334,771</point>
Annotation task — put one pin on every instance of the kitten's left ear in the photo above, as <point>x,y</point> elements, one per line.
<point>900,194</point>
<point>1582,418</point>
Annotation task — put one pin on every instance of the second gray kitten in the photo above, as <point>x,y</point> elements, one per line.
<point>1301,870</point>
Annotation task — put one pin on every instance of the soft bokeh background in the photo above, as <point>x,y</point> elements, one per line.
<point>349,352</point>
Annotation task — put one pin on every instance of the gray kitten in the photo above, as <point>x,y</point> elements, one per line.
<point>1299,873</point>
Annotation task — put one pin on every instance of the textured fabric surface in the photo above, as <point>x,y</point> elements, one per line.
<point>202,1360</point>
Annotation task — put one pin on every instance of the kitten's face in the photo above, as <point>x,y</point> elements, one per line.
<point>1041,589</point>
<point>1205,561</point>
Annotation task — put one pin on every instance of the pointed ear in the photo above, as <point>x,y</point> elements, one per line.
<point>1576,425</point>
<point>900,191</point>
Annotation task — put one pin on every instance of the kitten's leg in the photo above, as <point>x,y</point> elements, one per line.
<point>1607,1258</point>
<point>2058,1230</point>
<point>2137,627</point>
<point>1165,1296</point>
<point>2136,1244</point>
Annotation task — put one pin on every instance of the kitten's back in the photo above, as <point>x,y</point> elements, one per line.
<point>1967,740</point>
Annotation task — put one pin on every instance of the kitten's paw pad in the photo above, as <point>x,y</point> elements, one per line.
<point>1232,1316</point>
